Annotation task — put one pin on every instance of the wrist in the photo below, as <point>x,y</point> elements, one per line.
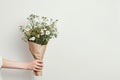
<point>23,66</point>
<point>26,66</point>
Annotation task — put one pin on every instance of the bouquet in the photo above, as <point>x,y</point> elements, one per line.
<point>37,32</point>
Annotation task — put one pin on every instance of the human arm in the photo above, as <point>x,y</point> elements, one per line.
<point>35,65</point>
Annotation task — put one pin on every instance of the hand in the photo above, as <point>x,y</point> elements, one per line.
<point>35,65</point>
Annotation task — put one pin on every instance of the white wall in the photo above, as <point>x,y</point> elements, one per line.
<point>88,46</point>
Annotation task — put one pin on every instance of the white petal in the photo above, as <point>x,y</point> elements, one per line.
<point>47,32</point>
<point>32,38</point>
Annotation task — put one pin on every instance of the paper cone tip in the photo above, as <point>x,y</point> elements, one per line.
<point>37,78</point>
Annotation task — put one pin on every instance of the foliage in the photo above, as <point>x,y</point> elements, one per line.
<point>39,29</point>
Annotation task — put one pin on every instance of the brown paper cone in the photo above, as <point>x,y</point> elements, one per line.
<point>38,52</point>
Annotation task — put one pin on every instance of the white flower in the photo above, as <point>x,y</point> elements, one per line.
<point>52,36</point>
<point>27,29</point>
<point>32,39</point>
<point>47,32</point>
<point>42,32</point>
<point>45,29</point>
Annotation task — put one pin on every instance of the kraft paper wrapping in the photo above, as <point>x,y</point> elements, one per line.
<point>38,52</point>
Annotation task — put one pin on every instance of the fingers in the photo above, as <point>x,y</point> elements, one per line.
<point>38,65</point>
<point>38,61</point>
<point>37,68</point>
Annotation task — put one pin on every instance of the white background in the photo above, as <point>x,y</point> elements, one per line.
<point>88,46</point>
